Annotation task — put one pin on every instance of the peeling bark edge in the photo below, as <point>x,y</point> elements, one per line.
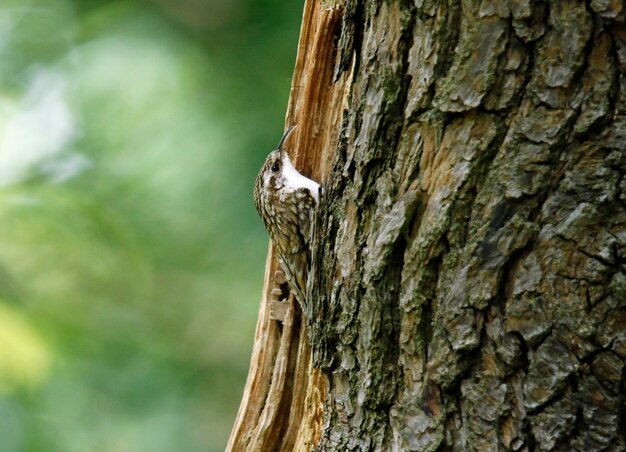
<point>281,407</point>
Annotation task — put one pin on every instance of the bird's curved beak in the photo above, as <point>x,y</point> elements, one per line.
<point>284,138</point>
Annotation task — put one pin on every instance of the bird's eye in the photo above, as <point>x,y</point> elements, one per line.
<point>275,167</point>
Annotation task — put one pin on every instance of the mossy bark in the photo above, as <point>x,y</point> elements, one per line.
<point>469,264</point>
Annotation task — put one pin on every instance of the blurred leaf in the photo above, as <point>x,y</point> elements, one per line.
<point>24,358</point>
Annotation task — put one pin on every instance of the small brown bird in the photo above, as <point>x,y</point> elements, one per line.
<point>285,200</point>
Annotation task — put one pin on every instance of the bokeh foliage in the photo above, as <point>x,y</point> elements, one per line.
<point>131,258</point>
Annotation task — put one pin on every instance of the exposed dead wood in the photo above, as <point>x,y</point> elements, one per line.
<point>282,400</point>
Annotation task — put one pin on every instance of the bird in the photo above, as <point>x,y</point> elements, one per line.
<point>286,201</point>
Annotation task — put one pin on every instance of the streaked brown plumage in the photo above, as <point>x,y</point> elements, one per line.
<point>285,200</point>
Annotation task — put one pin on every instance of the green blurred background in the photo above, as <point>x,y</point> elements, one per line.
<point>131,257</point>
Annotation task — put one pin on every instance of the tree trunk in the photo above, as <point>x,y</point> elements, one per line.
<point>469,262</point>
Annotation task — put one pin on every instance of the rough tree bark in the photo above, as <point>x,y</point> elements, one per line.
<point>469,261</point>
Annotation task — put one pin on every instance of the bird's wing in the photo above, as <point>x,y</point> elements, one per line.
<point>293,243</point>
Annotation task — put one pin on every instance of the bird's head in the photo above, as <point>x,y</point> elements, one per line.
<point>272,174</point>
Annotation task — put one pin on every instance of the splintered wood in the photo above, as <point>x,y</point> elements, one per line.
<point>281,407</point>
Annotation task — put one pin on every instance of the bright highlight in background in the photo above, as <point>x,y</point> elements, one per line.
<point>24,357</point>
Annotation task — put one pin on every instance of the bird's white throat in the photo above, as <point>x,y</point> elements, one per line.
<point>295,180</point>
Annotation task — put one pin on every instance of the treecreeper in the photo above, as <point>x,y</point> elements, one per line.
<point>286,200</point>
